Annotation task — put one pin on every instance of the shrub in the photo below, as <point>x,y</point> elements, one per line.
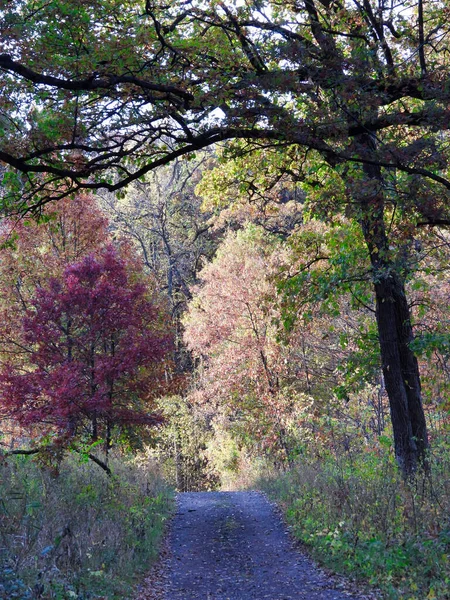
<point>358,516</point>
<point>80,534</point>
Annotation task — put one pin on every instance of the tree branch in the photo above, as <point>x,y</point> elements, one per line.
<point>32,451</point>
<point>94,82</point>
<point>434,223</point>
<point>423,65</point>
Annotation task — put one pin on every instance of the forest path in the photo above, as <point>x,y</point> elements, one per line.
<point>234,546</point>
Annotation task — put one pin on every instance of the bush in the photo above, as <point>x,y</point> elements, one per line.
<point>78,534</point>
<point>358,516</point>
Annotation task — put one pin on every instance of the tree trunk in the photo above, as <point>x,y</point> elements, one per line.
<point>401,372</point>
<point>400,367</point>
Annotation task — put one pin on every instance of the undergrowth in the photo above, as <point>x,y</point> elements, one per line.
<point>79,535</point>
<point>358,516</point>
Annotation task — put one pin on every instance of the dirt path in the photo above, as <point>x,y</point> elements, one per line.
<point>233,546</point>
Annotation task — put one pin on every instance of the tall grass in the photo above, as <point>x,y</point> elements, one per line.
<point>358,516</point>
<point>81,534</point>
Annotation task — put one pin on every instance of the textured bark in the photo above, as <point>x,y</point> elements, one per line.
<point>401,373</point>
<point>400,367</point>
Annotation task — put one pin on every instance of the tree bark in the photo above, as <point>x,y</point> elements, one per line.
<point>393,315</point>
<point>401,372</point>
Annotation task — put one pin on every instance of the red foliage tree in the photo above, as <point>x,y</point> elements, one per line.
<point>33,252</point>
<point>96,347</point>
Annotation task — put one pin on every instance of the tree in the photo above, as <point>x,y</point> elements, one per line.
<point>33,250</point>
<point>95,348</point>
<point>231,326</point>
<point>359,89</point>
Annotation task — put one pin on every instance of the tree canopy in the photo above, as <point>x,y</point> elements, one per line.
<point>93,349</point>
<point>131,85</point>
<point>351,98</point>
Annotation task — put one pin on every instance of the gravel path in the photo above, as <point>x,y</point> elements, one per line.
<point>233,546</point>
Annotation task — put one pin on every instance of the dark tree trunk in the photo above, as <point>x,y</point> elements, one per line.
<point>399,364</point>
<point>401,372</point>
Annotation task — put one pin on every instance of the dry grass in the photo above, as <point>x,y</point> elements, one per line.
<point>360,517</point>
<point>80,534</point>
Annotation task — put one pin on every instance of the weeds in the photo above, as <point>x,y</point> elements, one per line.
<point>359,516</point>
<point>79,535</point>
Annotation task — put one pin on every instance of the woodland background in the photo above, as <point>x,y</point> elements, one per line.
<point>224,265</point>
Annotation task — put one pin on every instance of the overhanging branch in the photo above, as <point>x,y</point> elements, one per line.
<point>94,82</point>
<point>34,451</point>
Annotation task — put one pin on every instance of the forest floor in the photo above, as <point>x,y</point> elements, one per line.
<point>234,546</point>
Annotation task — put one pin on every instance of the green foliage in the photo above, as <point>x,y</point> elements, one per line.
<point>362,363</point>
<point>429,342</point>
<point>225,453</point>
<point>327,262</point>
<point>358,516</point>
<point>80,535</point>
<point>181,446</point>
<point>242,188</point>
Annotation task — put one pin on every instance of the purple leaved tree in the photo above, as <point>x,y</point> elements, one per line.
<point>96,346</point>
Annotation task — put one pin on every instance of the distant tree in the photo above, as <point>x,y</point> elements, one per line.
<point>229,326</point>
<point>94,356</point>
<point>163,217</point>
<point>245,369</point>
